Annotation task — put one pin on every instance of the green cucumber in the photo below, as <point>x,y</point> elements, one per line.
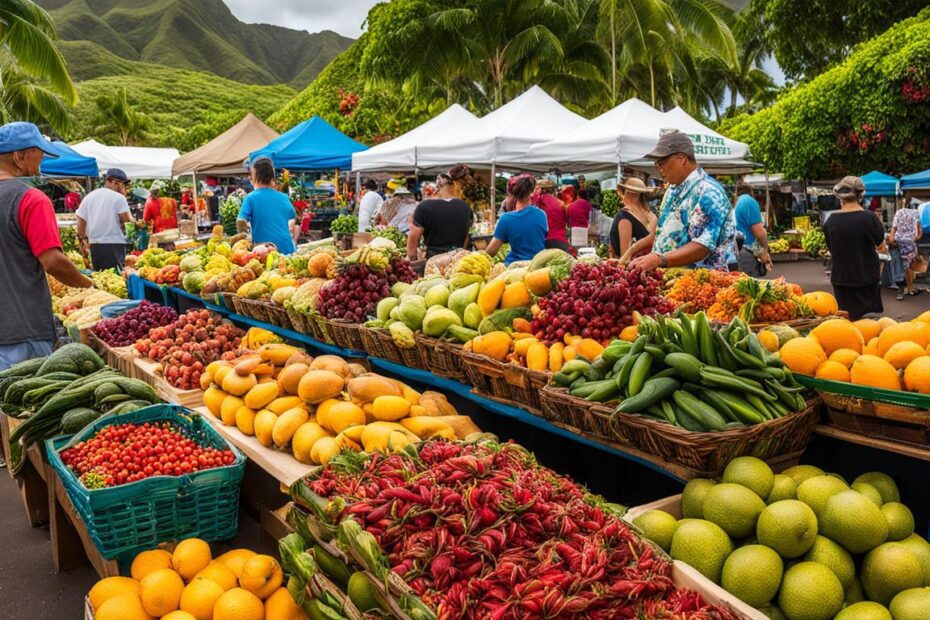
<point>657,353</point>
<point>623,375</point>
<point>708,417</point>
<point>684,420</point>
<point>740,407</point>
<point>652,392</point>
<point>606,390</point>
<point>705,338</point>
<point>686,365</point>
<point>714,400</point>
<point>639,372</point>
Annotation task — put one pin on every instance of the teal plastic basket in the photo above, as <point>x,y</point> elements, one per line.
<point>133,517</point>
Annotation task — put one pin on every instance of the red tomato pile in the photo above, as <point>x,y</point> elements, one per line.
<point>186,346</point>
<point>125,453</point>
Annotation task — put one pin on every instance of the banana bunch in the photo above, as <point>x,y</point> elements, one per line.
<point>253,289</point>
<point>476,263</point>
<point>371,258</point>
<point>461,280</point>
<point>256,337</point>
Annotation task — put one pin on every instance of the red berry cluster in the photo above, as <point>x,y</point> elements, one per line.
<point>597,301</point>
<point>125,453</point>
<point>186,346</point>
<point>355,293</point>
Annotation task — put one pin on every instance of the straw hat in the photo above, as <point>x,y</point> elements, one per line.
<point>545,183</point>
<point>635,185</point>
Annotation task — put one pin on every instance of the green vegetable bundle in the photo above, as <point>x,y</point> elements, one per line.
<point>346,224</point>
<point>683,371</point>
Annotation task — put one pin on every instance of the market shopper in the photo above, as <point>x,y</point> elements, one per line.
<point>853,235</point>
<point>267,212</point>
<point>555,214</point>
<point>695,225</point>
<point>754,257</point>
<point>161,212</point>
<point>443,222</point>
<point>369,205</point>
<point>633,230</point>
<point>31,247</point>
<point>101,221</point>
<point>397,211</point>
<point>579,219</point>
<point>906,231</point>
<point>524,227</point>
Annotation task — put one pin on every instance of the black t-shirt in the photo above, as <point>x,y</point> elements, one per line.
<point>445,224</point>
<point>852,237</point>
<point>639,230</point>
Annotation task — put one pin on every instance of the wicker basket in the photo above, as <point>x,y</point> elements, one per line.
<point>226,299</point>
<point>380,343</point>
<point>802,324</point>
<point>526,386</point>
<point>300,323</point>
<point>706,454</point>
<point>319,328</point>
<point>345,334</point>
<point>562,408</point>
<point>277,315</point>
<point>485,374</point>
<point>445,360</point>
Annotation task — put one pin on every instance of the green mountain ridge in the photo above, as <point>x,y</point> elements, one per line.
<point>198,35</point>
<point>186,108</point>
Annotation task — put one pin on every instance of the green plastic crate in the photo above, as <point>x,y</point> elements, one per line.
<point>133,517</point>
<point>891,397</point>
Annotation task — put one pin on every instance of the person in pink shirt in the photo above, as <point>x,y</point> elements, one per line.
<point>579,217</point>
<point>555,214</point>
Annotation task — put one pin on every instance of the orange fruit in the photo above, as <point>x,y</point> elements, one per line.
<point>160,592</point>
<point>629,333</point>
<point>917,375</point>
<point>122,607</point>
<point>190,557</point>
<point>846,357</point>
<point>871,348</point>
<point>836,334</point>
<point>238,604</point>
<point>833,371</point>
<point>261,575</point>
<point>899,332</point>
<point>220,574</point>
<point>769,340</point>
<point>873,371</point>
<point>803,355</point>
<point>236,559</point>
<point>923,333</point>
<point>109,587</point>
<point>281,606</point>
<point>924,317</point>
<point>149,561</point>
<point>869,328</point>
<point>199,597</point>
<point>903,353</point>
<point>885,322</point>
<point>821,302</point>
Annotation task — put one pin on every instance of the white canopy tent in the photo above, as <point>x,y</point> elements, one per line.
<point>502,136</point>
<point>625,133</point>
<point>713,151</point>
<point>136,162</point>
<point>401,153</point>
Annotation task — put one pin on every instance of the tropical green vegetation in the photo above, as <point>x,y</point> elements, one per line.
<point>184,109</point>
<point>418,56</point>
<point>34,83</point>
<point>872,111</point>
<point>196,35</point>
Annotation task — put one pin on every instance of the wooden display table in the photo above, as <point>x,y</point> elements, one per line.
<point>31,479</point>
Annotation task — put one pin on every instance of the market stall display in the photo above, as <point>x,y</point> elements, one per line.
<point>526,527</point>
<point>316,407</point>
<point>804,540</point>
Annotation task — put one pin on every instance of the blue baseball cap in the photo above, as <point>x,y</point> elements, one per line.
<point>19,136</point>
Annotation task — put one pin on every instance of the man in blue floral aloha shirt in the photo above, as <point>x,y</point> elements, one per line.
<point>696,226</point>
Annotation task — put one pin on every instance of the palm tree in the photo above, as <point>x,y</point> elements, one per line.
<point>27,40</point>
<point>498,37</point>
<point>23,98</point>
<point>117,118</point>
<point>746,77</point>
<point>651,35</point>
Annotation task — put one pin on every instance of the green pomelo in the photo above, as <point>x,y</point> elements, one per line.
<point>789,527</point>
<point>810,591</point>
<point>658,526</point>
<point>852,520</point>
<point>752,473</point>
<point>889,569</point>
<point>834,557</point>
<point>900,520</point>
<point>703,545</point>
<point>817,490</point>
<point>784,487</point>
<point>865,610</point>
<point>883,483</point>
<point>692,498</point>
<point>733,507</point>
<point>752,574</point>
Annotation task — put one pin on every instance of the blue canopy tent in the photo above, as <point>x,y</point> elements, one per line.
<point>880,184</point>
<point>918,180</point>
<point>312,145</point>
<point>71,164</point>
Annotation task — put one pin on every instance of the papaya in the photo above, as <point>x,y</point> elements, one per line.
<point>516,295</point>
<point>261,395</point>
<point>489,297</point>
<point>287,424</point>
<point>390,408</point>
<point>318,385</point>
<point>332,363</point>
<point>368,387</point>
<point>290,376</point>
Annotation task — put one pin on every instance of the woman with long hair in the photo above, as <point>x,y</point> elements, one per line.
<point>634,227</point>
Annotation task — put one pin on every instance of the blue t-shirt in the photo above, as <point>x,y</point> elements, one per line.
<point>268,211</point>
<point>525,231</point>
<point>747,215</point>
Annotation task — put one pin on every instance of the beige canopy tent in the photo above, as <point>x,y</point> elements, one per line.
<point>224,155</point>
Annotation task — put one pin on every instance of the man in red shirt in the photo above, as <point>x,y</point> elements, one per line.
<point>161,212</point>
<point>31,248</point>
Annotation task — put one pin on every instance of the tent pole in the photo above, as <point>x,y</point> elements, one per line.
<point>194,188</point>
<point>358,188</point>
<point>337,185</point>
<point>493,193</point>
<point>768,200</point>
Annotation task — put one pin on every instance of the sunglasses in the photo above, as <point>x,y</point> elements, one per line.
<point>660,163</point>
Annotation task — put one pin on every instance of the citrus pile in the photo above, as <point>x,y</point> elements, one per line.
<point>803,544</point>
<point>189,584</point>
<point>876,353</point>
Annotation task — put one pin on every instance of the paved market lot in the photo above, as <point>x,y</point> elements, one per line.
<point>811,276</point>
